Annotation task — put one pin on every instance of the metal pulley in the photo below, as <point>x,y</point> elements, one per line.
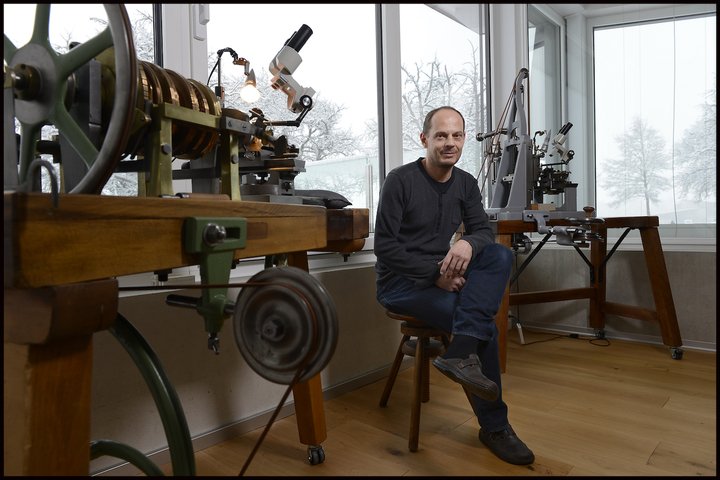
<point>285,321</point>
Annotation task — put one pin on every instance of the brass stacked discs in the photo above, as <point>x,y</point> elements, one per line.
<point>161,85</point>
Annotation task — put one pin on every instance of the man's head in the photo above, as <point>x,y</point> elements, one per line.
<point>443,136</point>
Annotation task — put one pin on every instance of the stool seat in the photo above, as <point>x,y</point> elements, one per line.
<point>423,342</point>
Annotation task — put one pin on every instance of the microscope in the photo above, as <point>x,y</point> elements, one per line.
<point>521,172</point>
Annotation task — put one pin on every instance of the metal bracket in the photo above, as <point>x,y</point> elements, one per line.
<point>215,240</point>
<point>575,235</point>
<point>564,235</point>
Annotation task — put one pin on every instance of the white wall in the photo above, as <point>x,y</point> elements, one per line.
<point>692,279</point>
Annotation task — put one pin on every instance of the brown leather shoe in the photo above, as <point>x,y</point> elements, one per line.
<point>467,372</point>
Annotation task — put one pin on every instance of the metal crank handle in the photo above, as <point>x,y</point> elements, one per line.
<point>192,302</point>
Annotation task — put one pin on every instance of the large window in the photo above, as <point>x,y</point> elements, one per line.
<point>655,119</point>
<point>444,62</point>
<point>338,138</point>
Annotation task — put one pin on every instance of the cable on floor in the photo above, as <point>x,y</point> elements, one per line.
<point>593,340</point>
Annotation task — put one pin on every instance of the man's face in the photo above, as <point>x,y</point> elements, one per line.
<point>444,142</point>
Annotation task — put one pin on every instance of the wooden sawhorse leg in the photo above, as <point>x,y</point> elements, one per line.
<point>664,312</point>
<point>660,284</point>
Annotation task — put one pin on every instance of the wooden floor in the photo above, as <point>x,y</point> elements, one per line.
<point>584,409</point>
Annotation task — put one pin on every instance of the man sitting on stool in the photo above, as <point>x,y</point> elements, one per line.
<point>455,288</point>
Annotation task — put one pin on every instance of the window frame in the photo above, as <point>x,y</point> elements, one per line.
<point>559,116</point>
<point>674,237</point>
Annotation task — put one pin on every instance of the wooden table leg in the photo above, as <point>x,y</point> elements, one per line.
<point>47,408</point>
<point>47,375</point>
<point>308,395</point>
<point>598,251</point>
<point>657,270</point>
<point>501,317</point>
<point>310,411</point>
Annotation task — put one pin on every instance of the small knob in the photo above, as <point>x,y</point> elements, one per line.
<point>214,234</point>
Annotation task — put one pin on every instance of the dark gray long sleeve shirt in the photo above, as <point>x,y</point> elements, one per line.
<point>417,217</point>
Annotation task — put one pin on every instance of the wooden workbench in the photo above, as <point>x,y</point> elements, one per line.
<point>59,269</point>
<point>664,312</point>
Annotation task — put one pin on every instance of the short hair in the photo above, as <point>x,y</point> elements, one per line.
<point>431,114</point>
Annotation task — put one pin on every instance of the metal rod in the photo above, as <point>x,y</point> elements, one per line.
<point>617,244</point>
<point>176,300</point>
<point>589,264</point>
<point>529,258</point>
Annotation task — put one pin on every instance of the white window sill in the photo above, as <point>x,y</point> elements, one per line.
<point>328,261</point>
<point>245,269</point>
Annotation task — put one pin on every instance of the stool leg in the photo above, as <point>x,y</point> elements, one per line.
<point>417,396</point>
<point>393,372</point>
<point>445,341</point>
<point>426,393</point>
<point>426,371</point>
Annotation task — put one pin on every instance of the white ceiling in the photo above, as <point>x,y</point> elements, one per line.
<point>598,9</point>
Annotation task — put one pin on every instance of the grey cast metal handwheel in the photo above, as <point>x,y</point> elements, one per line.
<point>40,78</point>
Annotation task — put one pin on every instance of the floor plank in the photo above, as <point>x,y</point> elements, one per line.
<point>623,409</point>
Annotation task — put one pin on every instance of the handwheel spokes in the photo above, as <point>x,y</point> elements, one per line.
<point>84,52</point>
<point>74,134</point>
<point>41,30</point>
<point>9,49</point>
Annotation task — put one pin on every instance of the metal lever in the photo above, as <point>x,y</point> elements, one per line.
<point>215,240</point>
<point>186,301</point>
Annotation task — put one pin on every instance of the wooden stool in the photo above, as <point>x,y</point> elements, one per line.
<point>420,341</point>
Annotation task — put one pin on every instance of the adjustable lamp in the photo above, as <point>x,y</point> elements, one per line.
<point>249,92</point>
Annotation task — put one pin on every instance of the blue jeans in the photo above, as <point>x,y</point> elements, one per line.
<point>471,311</point>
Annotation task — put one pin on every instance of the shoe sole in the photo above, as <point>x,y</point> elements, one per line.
<point>486,393</point>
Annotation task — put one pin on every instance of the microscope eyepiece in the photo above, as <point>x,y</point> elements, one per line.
<point>298,38</point>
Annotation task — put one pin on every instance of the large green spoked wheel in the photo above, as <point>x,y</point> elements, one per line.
<point>40,77</point>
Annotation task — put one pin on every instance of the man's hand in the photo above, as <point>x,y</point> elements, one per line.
<point>449,283</point>
<point>453,266</point>
<point>457,259</point>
